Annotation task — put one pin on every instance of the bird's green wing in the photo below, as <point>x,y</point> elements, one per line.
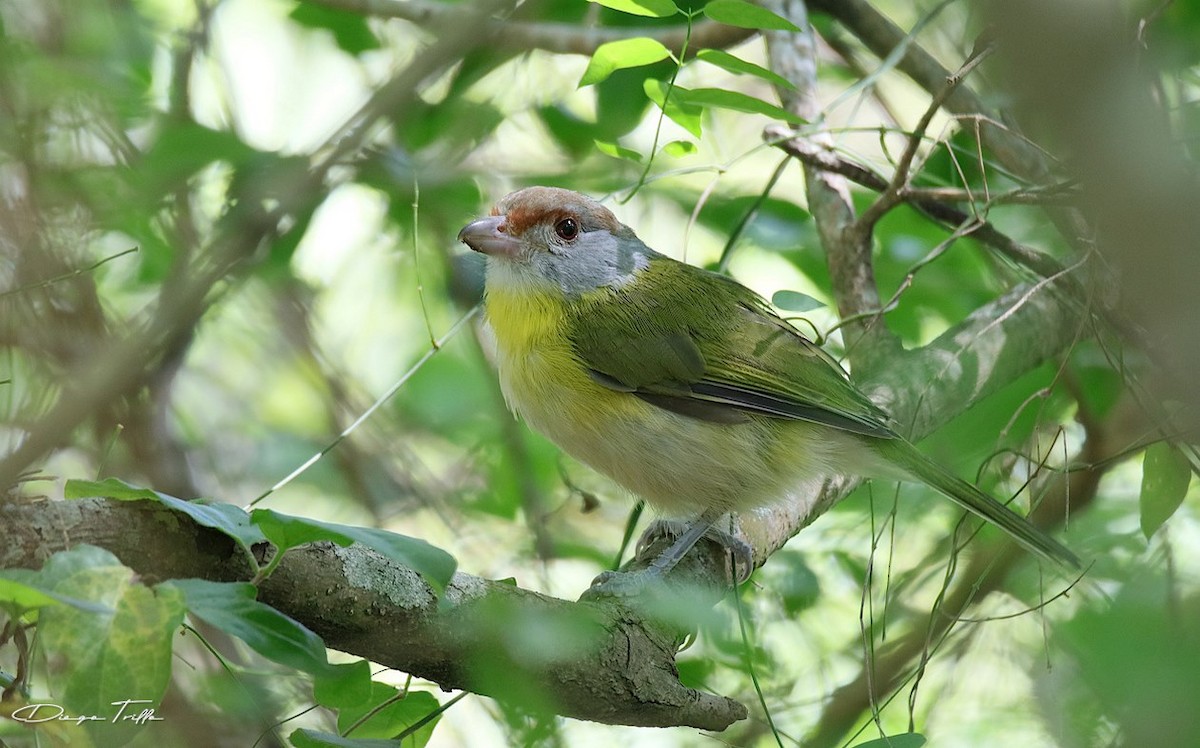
<point>700,344</point>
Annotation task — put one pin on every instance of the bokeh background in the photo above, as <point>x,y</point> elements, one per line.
<point>255,203</point>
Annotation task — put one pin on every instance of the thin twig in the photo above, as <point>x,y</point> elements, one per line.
<point>892,194</point>
<point>939,209</point>
<point>433,349</point>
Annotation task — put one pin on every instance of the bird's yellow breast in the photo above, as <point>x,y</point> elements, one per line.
<point>542,378</point>
<point>681,465</point>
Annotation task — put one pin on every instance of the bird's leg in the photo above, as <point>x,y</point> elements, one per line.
<point>628,584</point>
<point>740,550</point>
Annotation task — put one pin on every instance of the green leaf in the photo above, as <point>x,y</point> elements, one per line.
<point>286,531</point>
<point>679,148</point>
<point>573,134</point>
<point>343,685</point>
<point>794,301</point>
<point>181,150</point>
<point>651,8</point>
<point>306,738</point>
<point>22,590</point>
<point>232,607</point>
<point>778,225</point>
<point>738,66</point>
<point>350,30</point>
<point>621,104</point>
<point>626,53</point>
<point>797,586</point>
<point>618,151</point>
<point>747,16</point>
<point>398,715</point>
<point>1165,478</point>
<point>683,113</point>
<point>16,597</point>
<point>739,102</point>
<point>906,740</point>
<point>226,518</point>
<point>121,653</point>
<point>111,488</point>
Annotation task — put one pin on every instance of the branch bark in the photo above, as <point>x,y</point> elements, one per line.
<point>582,660</point>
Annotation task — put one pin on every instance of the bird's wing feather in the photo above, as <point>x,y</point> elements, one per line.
<point>713,351</point>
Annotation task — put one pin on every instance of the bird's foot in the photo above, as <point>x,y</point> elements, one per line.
<point>621,585</point>
<point>627,585</point>
<point>739,550</point>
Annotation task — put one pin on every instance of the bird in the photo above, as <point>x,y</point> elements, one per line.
<point>680,384</point>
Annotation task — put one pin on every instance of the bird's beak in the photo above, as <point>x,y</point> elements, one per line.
<point>487,235</point>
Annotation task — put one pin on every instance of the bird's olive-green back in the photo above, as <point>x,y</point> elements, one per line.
<point>703,345</point>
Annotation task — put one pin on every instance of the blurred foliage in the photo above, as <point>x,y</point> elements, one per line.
<point>154,152</point>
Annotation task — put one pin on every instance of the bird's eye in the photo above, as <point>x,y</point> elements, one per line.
<point>567,229</point>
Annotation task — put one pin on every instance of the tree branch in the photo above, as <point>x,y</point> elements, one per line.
<point>595,662</point>
<point>882,36</point>
<point>1003,141</point>
<point>847,246</point>
<point>934,203</point>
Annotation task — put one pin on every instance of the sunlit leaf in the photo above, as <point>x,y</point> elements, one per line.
<point>111,488</point>
<point>618,151</point>
<point>679,148</point>
<point>747,16</point>
<point>1165,478</point>
<point>226,518</point>
<point>726,61</point>
<point>651,8</point>
<point>118,650</point>
<point>735,100</point>
<point>15,596</point>
<point>23,590</point>
<point>683,113</point>
<point>626,53</point>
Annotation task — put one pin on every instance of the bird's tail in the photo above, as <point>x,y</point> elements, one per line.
<point>904,455</point>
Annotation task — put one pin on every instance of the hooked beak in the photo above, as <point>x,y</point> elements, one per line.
<point>487,235</point>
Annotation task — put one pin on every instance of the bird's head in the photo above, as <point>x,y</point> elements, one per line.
<point>556,237</point>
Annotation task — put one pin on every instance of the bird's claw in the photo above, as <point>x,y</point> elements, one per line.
<point>740,551</point>
<point>619,585</point>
